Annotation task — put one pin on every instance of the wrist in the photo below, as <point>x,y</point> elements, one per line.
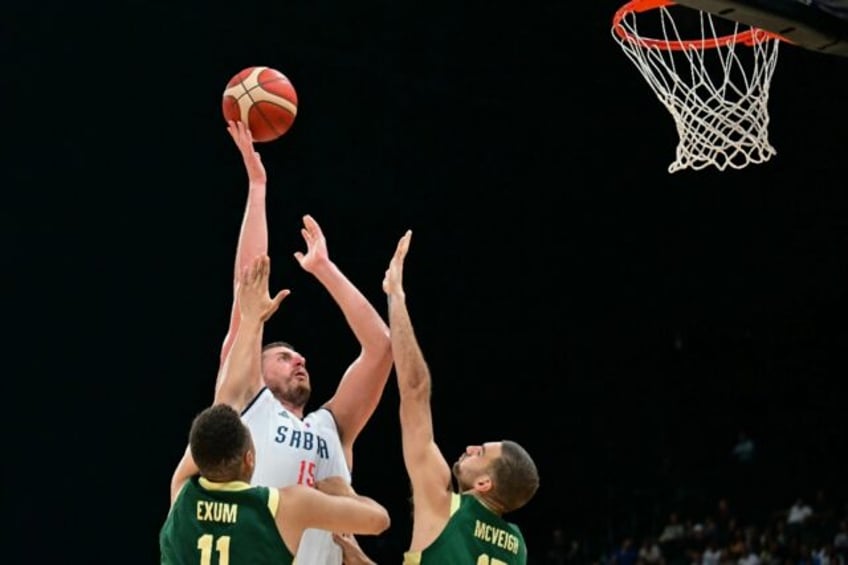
<point>251,321</point>
<point>323,269</point>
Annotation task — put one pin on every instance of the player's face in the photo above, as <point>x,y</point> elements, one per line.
<point>284,373</point>
<point>474,463</point>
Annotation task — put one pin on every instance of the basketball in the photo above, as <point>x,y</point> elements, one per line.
<point>262,98</point>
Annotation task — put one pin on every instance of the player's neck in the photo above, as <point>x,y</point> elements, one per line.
<point>222,479</point>
<point>292,408</point>
<point>489,504</point>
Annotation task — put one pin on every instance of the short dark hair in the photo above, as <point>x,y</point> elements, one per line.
<point>218,440</point>
<point>515,476</point>
<point>272,344</point>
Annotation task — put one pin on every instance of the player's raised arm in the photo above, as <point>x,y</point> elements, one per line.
<point>428,471</point>
<point>242,364</point>
<point>253,236</point>
<point>241,373</point>
<point>362,385</point>
<point>185,469</point>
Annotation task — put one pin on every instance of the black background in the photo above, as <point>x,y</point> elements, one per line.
<point>567,291</point>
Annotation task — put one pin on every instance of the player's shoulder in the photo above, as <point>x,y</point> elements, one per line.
<point>290,496</point>
<point>322,417</point>
<point>263,401</point>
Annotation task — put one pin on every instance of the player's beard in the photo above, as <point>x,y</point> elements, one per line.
<point>460,486</point>
<point>296,395</point>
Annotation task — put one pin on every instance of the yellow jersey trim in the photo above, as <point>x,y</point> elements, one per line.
<point>414,557</point>
<point>455,500</point>
<point>230,486</point>
<point>273,501</point>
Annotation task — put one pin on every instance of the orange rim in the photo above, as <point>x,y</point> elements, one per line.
<point>749,37</point>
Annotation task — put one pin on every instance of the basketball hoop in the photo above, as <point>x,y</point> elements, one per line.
<point>715,84</point>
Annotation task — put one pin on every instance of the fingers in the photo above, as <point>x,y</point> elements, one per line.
<point>307,235</point>
<point>343,539</point>
<point>244,276</point>
<point>236,130</point>
<point>241,134</point>
<point>265,267</point>
<point>260,267</point>
<point>279,298</point>
<point>240,129</point>
<point>256,271</point>
<point>401,249</point>
<point>275,304</point>
<point>312,226</point>
<point>245,132</point>
<point>310,231</point>
<point>393,277</point>
<point>249,272</point>
<point>403,245</point>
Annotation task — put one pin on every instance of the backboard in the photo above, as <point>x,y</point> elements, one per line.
<point>817,25</point>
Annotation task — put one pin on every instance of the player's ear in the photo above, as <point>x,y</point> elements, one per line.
<point>250,459</point>
<point>483,483</point>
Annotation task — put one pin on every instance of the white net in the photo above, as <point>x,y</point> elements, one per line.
<point>716,85</point>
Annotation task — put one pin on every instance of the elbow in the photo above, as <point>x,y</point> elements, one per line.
<point>383,349</point>
<point>416,388</point>
<point>378,352</point>
<point>380,522</point>
<point>381,339</point>
<point>372,522</point>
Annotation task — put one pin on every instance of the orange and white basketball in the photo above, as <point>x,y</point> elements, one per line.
<point>262,98</point>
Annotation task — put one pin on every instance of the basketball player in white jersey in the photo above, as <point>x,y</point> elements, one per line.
<point>292,446</point>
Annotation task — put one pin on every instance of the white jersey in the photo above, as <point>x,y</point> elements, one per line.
<point>292,451</point>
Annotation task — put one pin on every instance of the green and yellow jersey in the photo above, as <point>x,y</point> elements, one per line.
<point>223,524</point>
<point>474,535</point>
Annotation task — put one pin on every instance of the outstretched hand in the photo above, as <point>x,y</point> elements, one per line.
<point>254,298</point>
<point>316,246</point>
<point>393,281</point>
<point>352,554</point>
<point>252,161</point>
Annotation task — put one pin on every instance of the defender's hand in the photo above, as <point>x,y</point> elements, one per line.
<point>254,299</point>
<point>393,281</point>
<point>352,554</point>
<point>316,246</point>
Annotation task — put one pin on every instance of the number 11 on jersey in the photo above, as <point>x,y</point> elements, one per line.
<point>222,546</point>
